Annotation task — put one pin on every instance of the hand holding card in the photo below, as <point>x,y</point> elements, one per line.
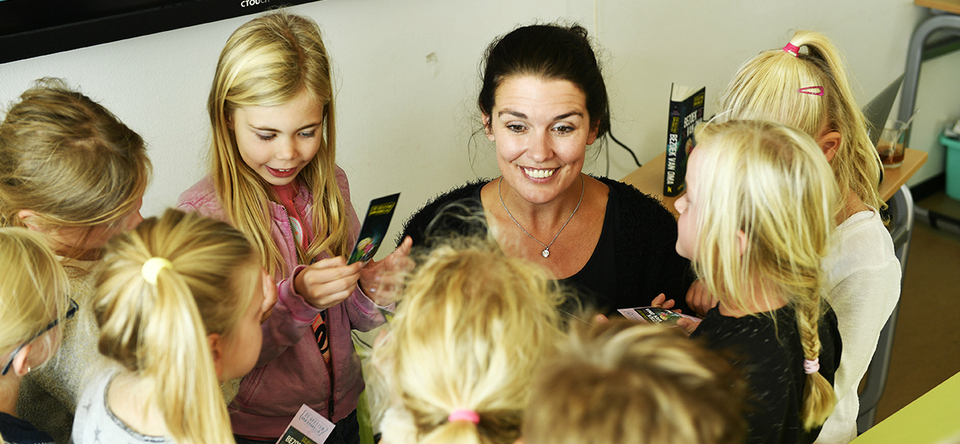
<point>327,282</point>
<point>383,280</point>
<point>655,315</point>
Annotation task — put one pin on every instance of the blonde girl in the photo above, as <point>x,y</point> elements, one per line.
<point>33,304</point>
<point>755,222</point>
<point>179,306</point>
<point>805,85</point>
<point>457,360</point>
<point>73,172</point>
<point>275,179</point>
<point>620,382</point>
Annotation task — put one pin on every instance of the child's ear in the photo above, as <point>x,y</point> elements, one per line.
<point>20,366</point>
<point>830,143</point>
<point>25,216</point>
<point>742,237</point>
<point>216,349</point>
<point>487,129</point>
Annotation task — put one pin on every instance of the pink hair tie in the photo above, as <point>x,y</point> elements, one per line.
<point>464,415</point>
<point>811,367</point>
<point>792,49</point>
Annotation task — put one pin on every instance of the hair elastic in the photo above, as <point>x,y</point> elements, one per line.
<point>811,366</point>
<point>792,49</point>
<point>464,415</point>
<point>812,90</point>
<point>152,267</point>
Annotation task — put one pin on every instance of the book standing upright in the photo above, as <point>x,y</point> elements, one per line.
<point>686,109</point>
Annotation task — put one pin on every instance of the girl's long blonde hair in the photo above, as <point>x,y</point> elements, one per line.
<point>69,160</point>
<point>159,331</point>
<point>773,184</point>
<point>471,328</point>
<point>767,88</point>
<point>268,61</point>
<point>33,287</point>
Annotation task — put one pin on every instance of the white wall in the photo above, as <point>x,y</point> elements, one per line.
<point>407,75</point>
<point>938,106</point>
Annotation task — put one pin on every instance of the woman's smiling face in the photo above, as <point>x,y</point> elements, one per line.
<point>541,128</point>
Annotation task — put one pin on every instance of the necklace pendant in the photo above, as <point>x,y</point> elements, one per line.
<point>545,252</point>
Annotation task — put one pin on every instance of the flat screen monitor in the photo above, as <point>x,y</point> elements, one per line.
<point>31,28</point>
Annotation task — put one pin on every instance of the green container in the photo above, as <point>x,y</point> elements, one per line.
<point>953,166</point>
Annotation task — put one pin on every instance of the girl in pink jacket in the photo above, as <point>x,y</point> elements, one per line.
<point>275,179</point>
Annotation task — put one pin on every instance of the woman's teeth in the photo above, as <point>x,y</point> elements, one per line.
<point>538,173</point>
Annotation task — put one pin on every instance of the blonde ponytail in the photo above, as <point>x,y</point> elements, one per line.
<point>818,395</point>
<point>158,331</point>
<point>767,88</point>
<point>455,431</point>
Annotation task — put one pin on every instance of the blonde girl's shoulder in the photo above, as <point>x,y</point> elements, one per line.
<point>202,198</point>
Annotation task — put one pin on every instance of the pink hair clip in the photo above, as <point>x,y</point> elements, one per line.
<point>812,90</point>
<point>792,49</point>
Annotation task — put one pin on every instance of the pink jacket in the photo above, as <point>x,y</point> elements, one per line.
<point>290,370</point>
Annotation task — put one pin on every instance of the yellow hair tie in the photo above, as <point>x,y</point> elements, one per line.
<point>152,267</point>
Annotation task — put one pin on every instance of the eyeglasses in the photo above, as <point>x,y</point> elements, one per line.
<point>70,312</point>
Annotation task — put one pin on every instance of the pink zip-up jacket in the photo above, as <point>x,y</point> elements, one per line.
<point>290,370</point>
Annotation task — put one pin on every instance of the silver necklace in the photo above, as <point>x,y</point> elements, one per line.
<point>546,247</point>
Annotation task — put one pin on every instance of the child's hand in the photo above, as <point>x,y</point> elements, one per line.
<point>327,282</point>
<point>269,296</point>
<point>662,302</point>
<point>687,325</point>
<point>383,280</point>
<point>699,300</point>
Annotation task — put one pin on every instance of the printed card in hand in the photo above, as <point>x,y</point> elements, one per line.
<point>307,427</point>
<point>374,228</point>
<point>655,315</point>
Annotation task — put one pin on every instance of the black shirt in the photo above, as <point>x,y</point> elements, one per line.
<point>634,260</point>
<point>767,348</point>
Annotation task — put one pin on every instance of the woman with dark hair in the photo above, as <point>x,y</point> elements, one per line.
<point>542,101</point>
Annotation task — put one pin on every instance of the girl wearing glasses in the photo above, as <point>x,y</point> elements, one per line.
<point>75,174</point>
<point>32,305</point>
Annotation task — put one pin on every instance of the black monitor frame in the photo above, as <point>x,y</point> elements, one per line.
<point>31,28</point>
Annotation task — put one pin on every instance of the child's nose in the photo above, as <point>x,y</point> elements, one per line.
<point>286,151</point>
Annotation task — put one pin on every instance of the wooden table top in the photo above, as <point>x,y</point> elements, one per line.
<point>951,6</point>
<point>649,177</point>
